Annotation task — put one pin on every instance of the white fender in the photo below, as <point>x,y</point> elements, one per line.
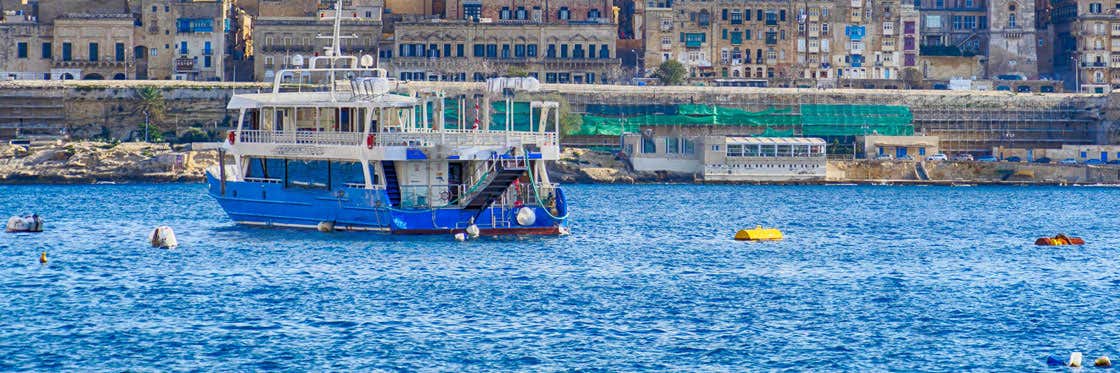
<point>526,216</point>
<point>163,237</point>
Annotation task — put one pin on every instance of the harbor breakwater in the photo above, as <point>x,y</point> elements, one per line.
<point>89,162</point>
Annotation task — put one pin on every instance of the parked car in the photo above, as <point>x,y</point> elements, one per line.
<point>1043,160</point>
<point>963,157</point>
<point>1013,159</point>
<point>1095,162</point>
<point>883,157</point>
<point>1068,161</point>
<point>937,157</point>
<point>1114,161</point>
<point>987,158</point>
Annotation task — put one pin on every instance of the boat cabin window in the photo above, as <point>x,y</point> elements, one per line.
<point>308,174</point>
<point>750,150</point>
<point>348,174</point>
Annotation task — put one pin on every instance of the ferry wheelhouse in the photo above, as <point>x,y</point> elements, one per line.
<point>339,145</point>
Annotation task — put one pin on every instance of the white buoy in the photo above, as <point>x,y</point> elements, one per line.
<point>326,226</point>
<point>1075,360</point>
<point>472,231</point>
<point>26,223</point>
<point>526,216</point>
<point>163,237</point>
<point>460,236</point>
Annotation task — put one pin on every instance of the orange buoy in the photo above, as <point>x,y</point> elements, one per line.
<point>1059,240</point>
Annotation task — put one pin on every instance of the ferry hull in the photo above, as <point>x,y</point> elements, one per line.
<point>351,209</point>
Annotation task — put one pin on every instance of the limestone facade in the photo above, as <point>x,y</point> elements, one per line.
<point>278,40</point>
<point>469,51</point>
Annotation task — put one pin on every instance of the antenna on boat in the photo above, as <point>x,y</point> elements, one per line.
<point>335,50</point>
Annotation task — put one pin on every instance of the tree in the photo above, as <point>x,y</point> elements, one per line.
<point>152,105</point>
<point>671,72</point>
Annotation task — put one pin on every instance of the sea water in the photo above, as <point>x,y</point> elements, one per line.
<point>868,278</point>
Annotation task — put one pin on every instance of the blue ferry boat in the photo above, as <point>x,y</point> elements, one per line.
<point>338,145</point>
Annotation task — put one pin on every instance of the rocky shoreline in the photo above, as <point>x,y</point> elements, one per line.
<point>93,162</point>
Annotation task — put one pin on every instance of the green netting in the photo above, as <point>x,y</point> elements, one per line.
<point>848,120</point>
<point>813,120</point>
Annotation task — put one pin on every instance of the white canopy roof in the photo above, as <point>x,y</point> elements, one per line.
<point>775,140</point>
<point>315,99</point>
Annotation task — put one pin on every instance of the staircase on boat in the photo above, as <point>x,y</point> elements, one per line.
<point>499,181</point>
<point>392,186</point>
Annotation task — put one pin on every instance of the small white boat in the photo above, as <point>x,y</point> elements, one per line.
<point>27,223</point>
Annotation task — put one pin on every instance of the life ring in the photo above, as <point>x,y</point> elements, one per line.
<point>232,137</point>
<point>370,140</point>
<point>444,195</point>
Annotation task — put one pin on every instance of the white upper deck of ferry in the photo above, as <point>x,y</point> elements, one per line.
<point>344,107</point>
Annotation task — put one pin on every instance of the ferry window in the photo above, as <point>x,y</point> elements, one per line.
<point>785,150</point>
<point>648,146</point>
<point>768,151</point>
<point>308,174</point>
<point>801,150</point>
<point>734,150</point>
<point>347,174</point>
<point>672,145</point>
<point>750,151</point>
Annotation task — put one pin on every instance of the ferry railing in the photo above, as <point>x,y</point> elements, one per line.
<point>301,137</point>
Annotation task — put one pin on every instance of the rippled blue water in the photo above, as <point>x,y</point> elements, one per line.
<point>869,278</point>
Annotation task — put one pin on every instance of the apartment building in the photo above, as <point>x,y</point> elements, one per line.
<point>287,34</point>
<point>555,41</point>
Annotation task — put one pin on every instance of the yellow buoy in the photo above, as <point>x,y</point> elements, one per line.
<point>43,258</point>
<point>758,234</point>
<point>1102,362</point>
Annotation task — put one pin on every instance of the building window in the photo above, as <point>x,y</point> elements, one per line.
<point>458,50</point>
<point>604,53</point>
<point>648,146</point>
<point>93,52</point>
<point>563,14</point>
<point>505,13</point>
<point>736,17</point>
<point>21,50</point>
<point>206,48</point>
<point>531,50</point>
<point>1095,8</point>
<point>521,13</point>
<point>1011,20</point>
<point>672,145</point>
<point>183,47</point>
<point>472,11</point>
<point>593,14</point>
<point>47,51</point>
<point>119,52</point>
<point>67,52</point>
<point>480,50</point>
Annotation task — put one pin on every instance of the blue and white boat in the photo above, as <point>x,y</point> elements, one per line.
<point>339,145</point>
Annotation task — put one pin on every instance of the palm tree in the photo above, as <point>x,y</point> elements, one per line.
<point>152,104</point>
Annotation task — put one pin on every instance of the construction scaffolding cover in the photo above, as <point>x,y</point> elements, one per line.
<point>685,115</point>
<point>855,120</point>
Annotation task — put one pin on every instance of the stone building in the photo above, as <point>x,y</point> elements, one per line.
<point>815,43</point>
<point>114,39</point>
<point>750,41</point>
<point>294,31</point>
<point>1088,33</point>
<point>181,40</point>
<point>66,39</point>
<point>1012,40</point>
<point>560,41</point>
<point>954,27</point>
